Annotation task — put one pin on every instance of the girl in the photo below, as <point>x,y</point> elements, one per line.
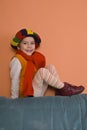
<point>28,71</point>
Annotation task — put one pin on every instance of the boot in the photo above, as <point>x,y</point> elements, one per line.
<point>69,90</point>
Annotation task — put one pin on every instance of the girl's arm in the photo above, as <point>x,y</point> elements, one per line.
<point>15,69</point>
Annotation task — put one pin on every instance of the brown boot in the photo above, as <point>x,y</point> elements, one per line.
<point>69,90</point>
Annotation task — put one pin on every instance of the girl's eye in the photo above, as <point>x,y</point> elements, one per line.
<point>24,43</point>
<point>32,42</point>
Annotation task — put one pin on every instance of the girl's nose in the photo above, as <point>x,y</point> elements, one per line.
<point>28,45</point>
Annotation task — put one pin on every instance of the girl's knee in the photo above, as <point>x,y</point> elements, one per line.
<point>40,71</point>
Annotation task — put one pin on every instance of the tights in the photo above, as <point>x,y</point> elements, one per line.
<point>44,77</point>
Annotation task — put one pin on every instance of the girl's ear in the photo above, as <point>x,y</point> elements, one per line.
<point>18,47</point>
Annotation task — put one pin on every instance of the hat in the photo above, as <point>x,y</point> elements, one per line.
<point>20,35</point>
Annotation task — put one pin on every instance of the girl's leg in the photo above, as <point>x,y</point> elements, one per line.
<point>46,76</point>
<point>54,73</point>
<point>49,75</point>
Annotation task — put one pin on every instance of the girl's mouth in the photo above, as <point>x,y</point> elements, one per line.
<point>28,50</point>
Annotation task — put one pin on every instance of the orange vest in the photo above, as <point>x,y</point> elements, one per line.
<point>23,64</point>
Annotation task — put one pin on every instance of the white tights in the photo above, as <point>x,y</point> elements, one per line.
<point>44,77</point>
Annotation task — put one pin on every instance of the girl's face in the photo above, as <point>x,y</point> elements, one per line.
<point>27,45</point>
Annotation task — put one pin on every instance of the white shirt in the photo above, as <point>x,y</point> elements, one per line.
<point>15,69</point>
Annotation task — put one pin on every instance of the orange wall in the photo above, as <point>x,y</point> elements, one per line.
<point>62,25</point>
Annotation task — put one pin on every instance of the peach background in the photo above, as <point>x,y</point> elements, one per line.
<point>62,25</point>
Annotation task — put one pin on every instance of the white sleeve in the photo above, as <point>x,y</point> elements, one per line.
<point>15,69</point>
